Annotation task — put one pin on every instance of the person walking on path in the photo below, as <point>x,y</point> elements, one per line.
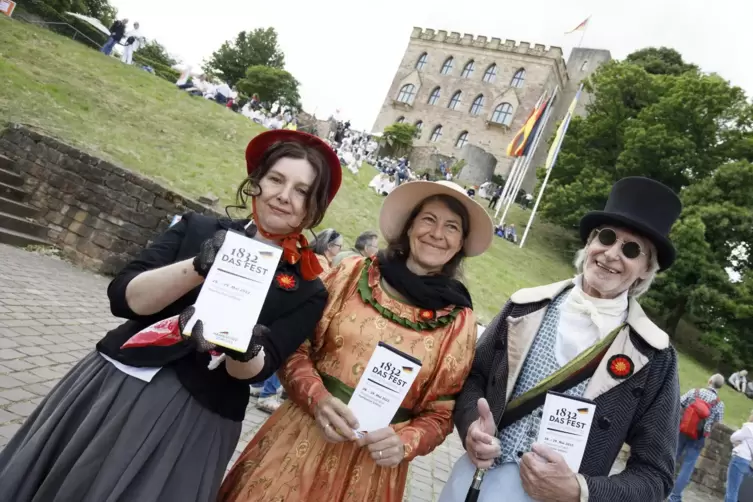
<point>740,464</point>
<point>587,338</point>
<point>117,31</point>
<point>159,421</point>
<point>406,297</point>
<point>691,442</point>
<point>495,197</point>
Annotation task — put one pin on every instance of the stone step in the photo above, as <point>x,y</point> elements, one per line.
<point>23,225</point>
<point>16,208</point>
<point>21,239</point>
<point>7,164</point>
<point>11,178</point>
<point>11,192</point>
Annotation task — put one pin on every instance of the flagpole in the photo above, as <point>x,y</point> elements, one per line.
<point>550,167</point>
<point>503,195</point>
<point>529,158</point>
<point>584,31</point>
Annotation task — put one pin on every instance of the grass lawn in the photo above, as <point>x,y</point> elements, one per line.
<point>146,124</point>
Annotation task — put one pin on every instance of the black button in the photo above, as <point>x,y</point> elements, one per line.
<point>520,454</point>
<point>605,423</point>
<point>638,392</point>
<point>499,345</point>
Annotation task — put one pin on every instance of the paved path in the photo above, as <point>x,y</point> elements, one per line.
<point>52,314</point>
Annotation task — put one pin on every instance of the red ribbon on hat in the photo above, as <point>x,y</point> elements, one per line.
<point>295,248</point>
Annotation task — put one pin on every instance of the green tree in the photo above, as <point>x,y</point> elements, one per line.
<point>675,129</point>
<point>271,84</point>
<point>660,61</point>
<point>155,55</point>
<point>399,137</point>
<point>254,48</point>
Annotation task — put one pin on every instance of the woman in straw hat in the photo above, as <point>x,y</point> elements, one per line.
<point>150,416</point>
<point>407,297</point>
<point>586,338</point>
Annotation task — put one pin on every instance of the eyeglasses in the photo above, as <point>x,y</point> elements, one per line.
<point>631,249</point>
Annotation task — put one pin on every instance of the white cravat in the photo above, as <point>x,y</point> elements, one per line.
<point>585,320</point>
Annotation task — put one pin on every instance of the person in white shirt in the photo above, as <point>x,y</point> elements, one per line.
<point>134,41</point>
<point>742,455</point>
<point>739,380</point>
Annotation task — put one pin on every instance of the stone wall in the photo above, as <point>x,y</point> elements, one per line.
<point>99,214</point>
<point>710,474</point>
<point>479,167</point>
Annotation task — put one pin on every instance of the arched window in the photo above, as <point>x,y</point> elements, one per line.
<point>400,120</point>
<point>434,97</point>
<point>436,134</point>
<point>447,66</point>
<point>419,127</point>
<point>407,93</point>
<point>468,69</point>
<point>455,100</point>
<point>462,140</point>
<point>584,66</point>
<point>477,105</point>
<point>502,114</point>
<point>422,61</point>
<point>518,78</point>
<point>490,75</point>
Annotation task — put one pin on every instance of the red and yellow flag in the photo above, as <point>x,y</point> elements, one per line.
<point>580,27</point>
<point>517,146</point>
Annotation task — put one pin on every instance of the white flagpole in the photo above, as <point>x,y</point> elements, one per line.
<point>568,118</point>
<point>529,158</point>
<point>580,42</point>
<point>503,196</point>
<point>540,195</point>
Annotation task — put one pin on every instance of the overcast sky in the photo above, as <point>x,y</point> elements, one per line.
<point>345,53</point>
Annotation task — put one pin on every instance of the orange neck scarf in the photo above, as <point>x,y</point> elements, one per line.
<point>295,248</point>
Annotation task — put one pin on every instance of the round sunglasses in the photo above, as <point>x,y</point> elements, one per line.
<point>630,249</point>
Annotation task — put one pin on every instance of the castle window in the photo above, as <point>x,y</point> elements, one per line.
<point>455,100</point>
<point>419,127</point>
<point>407,93</point>
<point>400,120</point>
<point>434,97</point>
<point>518,78</point>
<point>477,105</point>
<point>447,66</point>
<point>462,140</point>
<point>468,70</point>
<point>436,134</point>
<point>490,75</point>
<point>502,114</point>
<point>422,61</point>
<point>584,66</point>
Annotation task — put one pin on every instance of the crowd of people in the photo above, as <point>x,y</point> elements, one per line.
<point>155,411</point>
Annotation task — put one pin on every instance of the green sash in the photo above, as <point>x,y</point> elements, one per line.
<point>344,393</point>
<point>568,376</point>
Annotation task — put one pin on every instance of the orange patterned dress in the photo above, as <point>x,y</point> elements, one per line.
<point>289,459</point>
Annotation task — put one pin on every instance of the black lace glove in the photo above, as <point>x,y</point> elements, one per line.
<point>200,344</point>
<point>210,247</point>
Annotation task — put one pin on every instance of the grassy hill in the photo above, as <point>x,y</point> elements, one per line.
<point>144,123</point>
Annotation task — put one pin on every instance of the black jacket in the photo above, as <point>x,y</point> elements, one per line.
<point>117,30</point>
<point>290,315</point>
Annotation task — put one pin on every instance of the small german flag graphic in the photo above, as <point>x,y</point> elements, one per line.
<point>407,369</point>
<point>583,411</point>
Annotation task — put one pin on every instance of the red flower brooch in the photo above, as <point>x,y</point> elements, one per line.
<point>286,281</point>
<point>426,315</point>
<point>620,366</point>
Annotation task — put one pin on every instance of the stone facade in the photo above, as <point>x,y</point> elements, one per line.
<point>479,165</point>
<point>545,69</point>
<point>99,214</point>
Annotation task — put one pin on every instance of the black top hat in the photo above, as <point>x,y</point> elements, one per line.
<point>643,205</point>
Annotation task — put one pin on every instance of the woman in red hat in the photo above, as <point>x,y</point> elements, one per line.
<point>158,420</point>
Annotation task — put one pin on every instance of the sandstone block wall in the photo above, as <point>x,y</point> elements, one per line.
<point>99,214</point>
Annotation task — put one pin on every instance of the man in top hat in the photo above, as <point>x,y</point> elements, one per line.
<point>587,338</point>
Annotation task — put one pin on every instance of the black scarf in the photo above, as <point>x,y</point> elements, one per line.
<point>431,292</point>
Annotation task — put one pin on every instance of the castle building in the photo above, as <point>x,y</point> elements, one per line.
<point>460,90</point>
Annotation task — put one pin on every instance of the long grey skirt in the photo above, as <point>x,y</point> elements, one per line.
<point>104,436</point>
